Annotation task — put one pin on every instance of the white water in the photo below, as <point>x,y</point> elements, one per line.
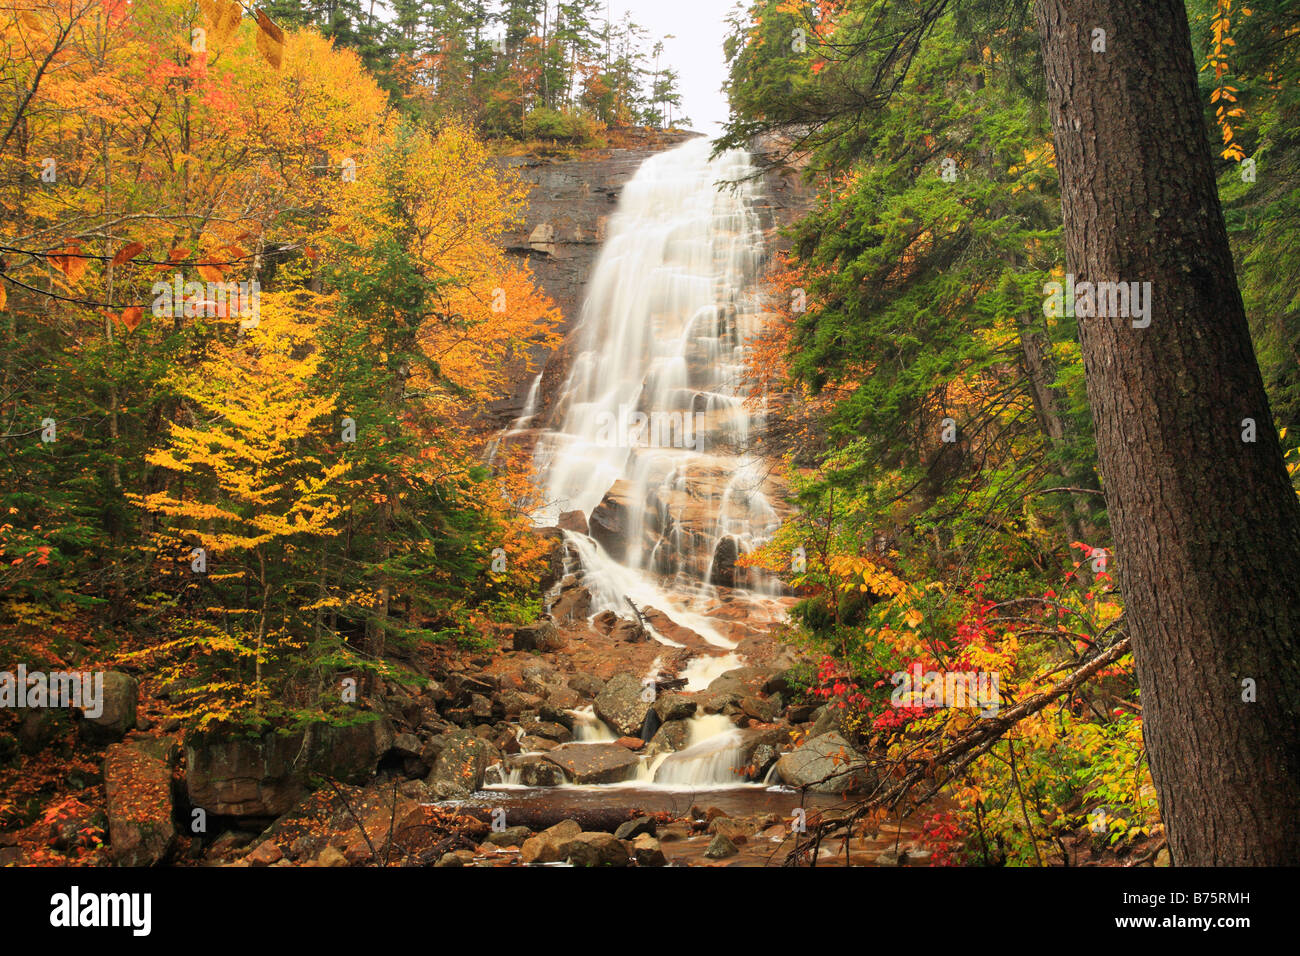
<point>654,411</point>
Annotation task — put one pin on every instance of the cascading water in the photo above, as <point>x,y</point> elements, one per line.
<point>651,430</point>
<point>650,436</point>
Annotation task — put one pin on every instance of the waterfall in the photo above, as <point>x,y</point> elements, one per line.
<point>650,435</point>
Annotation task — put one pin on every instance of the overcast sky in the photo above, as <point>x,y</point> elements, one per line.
<point>695,51</point>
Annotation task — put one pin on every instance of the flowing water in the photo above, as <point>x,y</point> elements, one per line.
<point>650,438</point>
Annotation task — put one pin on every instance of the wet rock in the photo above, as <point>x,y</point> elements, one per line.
<point>825,764</point>
<point>631,743</point>
<point>674,706</point>
<point>118,710</point>
<point>555,548</point>
<point>628,631</point>
<point>572,521</point>
<point>723,573</point>
<point>572,606</point>
<point>597,849</point>
<point>670,737</point>
<point>621,705</point>
<point>594,763</point>
<point>720,848</point>
<point>719,702</point>
<point>541,636</point>
<point>634,828</point>
<point>737,831</point>
<point>646,851</point>
<point>461,762</point>
<point>534,744</point>
<point>612,520</point>
<point>541,728</point>
<point>449,860</point>
<point>510,836</point>
<point>138,792</point>
<point>760,762</point>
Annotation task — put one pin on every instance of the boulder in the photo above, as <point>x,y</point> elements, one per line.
<point>720,848</point>
<point>825,764</point>
<point>670,737</point>
<point>117,712</point>
<point>673,706</point>
<point>628,631</point>
<point>572,521</point>
<point>461,763</point>
<point>621,705</point>
<point>646,851</point>
<point>510,836</point>
<point>551,845</point>
<point>588,685</point>
<point>594,763</point>
<point>261,777</point>
<point>598,849</point>
<point>610,523</point>
<point>763,709</point>
<point>634,828</point>
<point>535,771</point>
<point>138,790</point>
<point>544,728</point>
<point>541,636</point>
<point>723,572</point>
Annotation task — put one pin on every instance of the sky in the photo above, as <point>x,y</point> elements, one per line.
<point>695,50</point>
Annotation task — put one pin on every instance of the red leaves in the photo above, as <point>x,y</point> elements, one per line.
<point>70,261</point>
<point>127,253</point>
<point>132,317</point>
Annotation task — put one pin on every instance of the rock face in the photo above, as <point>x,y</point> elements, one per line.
<point>825,764</point>
<point>117,715</point>
<point>138,788</point>
<point>563,228</point>
<point>594,763</point>
<point>612,520</point>
<point>621,706</point>
<point>265,777</point>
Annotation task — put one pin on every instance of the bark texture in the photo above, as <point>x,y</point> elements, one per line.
<point>1207,526</point>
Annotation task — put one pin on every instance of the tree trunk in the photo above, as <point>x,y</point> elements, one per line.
<point>1206,525</point>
